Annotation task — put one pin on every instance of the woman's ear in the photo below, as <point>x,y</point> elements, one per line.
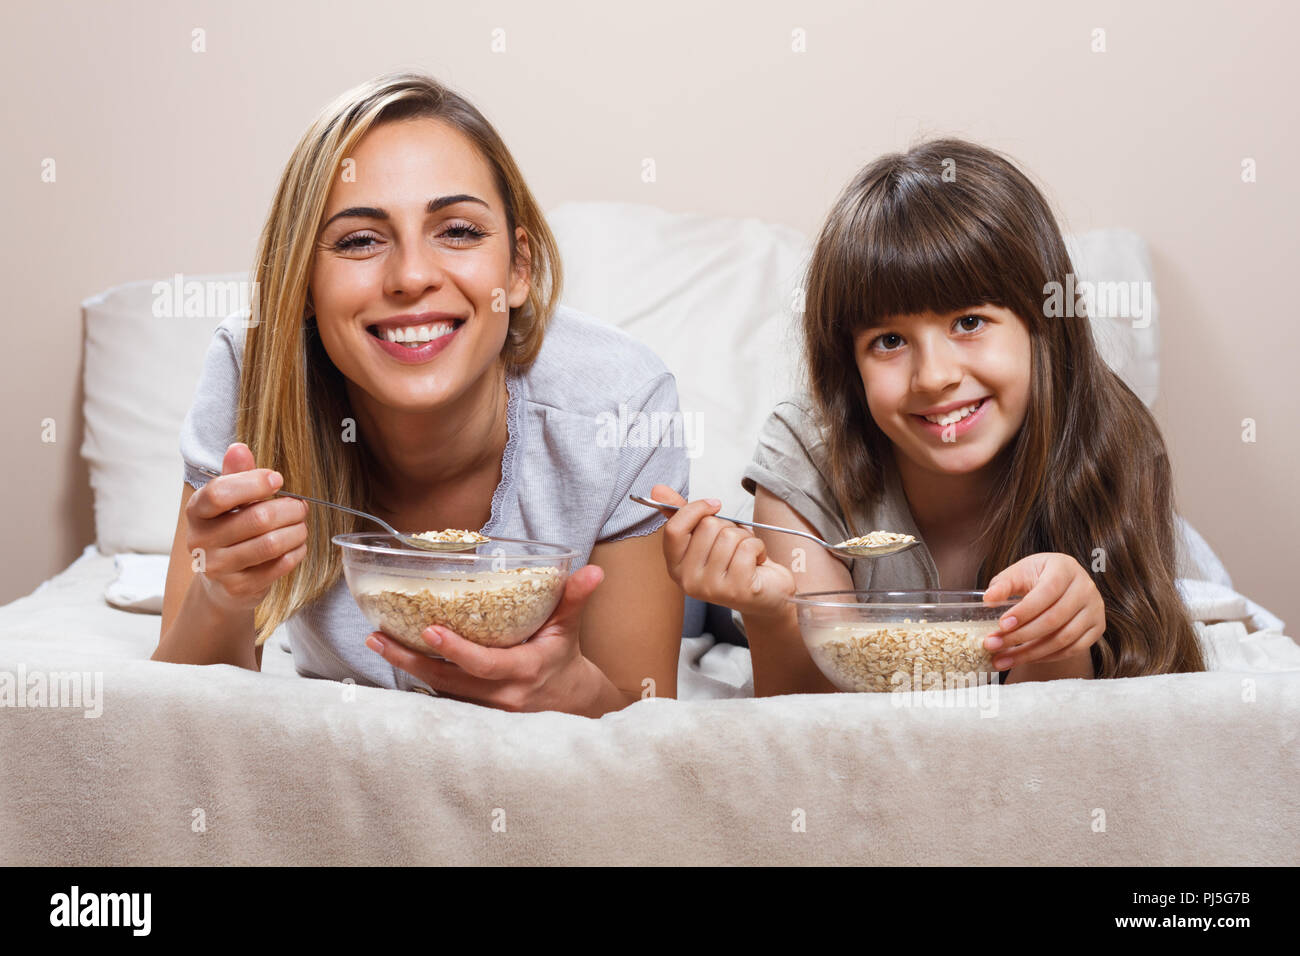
<point>521,278</point>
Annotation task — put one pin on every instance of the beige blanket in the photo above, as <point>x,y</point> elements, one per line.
<point>191,765</point>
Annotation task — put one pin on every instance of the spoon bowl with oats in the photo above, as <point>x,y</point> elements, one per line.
<point>452,539</point>
<point>876,544</point>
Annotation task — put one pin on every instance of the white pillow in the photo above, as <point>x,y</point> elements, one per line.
<point>714,297</point>
<point>140,374</point>
<point>1130,344</point>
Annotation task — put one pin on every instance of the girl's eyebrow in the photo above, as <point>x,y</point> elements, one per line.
<point>885,321</point>
<point>374,212</point>
<point>881,322</point>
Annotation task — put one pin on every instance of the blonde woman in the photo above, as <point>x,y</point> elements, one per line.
<point>402,209</point>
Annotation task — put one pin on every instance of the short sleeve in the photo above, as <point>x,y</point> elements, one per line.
<point>653,452</point>
<point>790,462</point>
<point>209,425</point>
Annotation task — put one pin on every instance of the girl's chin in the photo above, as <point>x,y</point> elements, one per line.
<point>950,461</point>
<point>963,468</point>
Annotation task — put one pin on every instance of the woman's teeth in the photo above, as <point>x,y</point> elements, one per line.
<point>416,335</point>
<point>955,415</point>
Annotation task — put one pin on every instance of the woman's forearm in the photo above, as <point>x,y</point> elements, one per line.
<point>206,633</point>
<point>598,694</point>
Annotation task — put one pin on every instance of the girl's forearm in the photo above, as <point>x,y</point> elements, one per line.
<point>781,663</point>
<point>1076,666</point>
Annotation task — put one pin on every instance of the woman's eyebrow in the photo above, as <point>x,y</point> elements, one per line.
<point>373,212</point>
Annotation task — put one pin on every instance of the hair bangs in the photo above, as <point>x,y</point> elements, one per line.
<point>917,258</point>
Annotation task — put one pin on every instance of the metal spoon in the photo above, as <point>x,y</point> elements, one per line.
<point>409,540</point>
<point>854,551</point>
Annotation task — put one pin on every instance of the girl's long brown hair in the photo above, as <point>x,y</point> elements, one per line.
<point>1087,470</point>
<point>293,404</point>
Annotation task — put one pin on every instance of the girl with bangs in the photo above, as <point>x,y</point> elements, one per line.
<point>943,402</point>
<point>409,358</point>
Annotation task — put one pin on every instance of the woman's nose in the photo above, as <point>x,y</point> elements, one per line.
<point>413,271</point>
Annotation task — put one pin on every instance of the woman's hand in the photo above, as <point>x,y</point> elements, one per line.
<point>247,536</point>
<point>719,562</point>
<point>547,672</point>
<point>1060,616</point>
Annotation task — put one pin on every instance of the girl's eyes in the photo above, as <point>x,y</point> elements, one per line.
<point>892,341</point>
<point>457,233</point>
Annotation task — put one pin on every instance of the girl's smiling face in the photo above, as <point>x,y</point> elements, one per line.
<point>943,366</point>
<point>419,227</point>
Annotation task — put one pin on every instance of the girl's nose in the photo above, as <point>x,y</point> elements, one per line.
<point>936,369</point>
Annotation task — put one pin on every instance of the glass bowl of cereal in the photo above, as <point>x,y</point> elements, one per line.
<point>496,593</point>
<point>874,641</point>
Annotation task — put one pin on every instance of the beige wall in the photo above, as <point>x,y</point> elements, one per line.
<point>166,160</point>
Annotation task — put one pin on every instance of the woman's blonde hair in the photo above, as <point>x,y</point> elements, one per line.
<point>293,403</point>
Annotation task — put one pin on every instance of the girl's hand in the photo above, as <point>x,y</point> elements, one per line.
<point>547,672</point>
<point>719,562</point>
<point>1060,615</point>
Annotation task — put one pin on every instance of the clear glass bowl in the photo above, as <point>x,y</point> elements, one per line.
<point>874,641</point>
<point>497,594</point>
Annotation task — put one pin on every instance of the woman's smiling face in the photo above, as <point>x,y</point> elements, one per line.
<point>415,225</point>
<point>974,363</point>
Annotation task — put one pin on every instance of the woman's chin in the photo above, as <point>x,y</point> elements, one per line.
<point>414,395</point>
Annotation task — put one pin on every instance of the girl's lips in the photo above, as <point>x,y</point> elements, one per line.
<point>958,428</point>
<point>417,355</point>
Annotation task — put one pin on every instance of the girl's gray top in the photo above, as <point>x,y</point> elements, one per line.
<point>589,423</point>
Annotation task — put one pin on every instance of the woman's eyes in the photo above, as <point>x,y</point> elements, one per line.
<point>465,232</point>
<point>458,234</point>
<point>892,341</point>
<point>352,242</point>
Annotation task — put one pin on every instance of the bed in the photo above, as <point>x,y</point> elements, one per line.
<point>113,759</point>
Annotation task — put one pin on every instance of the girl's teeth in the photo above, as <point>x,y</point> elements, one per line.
<point>949,418</point>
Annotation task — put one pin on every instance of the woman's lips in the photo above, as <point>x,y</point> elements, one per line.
<point>418,355</point>
<point>958,428</point>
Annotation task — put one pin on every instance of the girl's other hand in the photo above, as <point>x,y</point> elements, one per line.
<point>1061,614</point>
<point>716,561</point>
